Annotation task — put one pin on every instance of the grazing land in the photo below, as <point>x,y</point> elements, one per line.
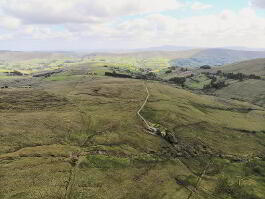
<point>75,133</point>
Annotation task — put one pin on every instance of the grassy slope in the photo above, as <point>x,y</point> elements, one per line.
<point>95,117</point>
<point>256,66</point>
<point>247,90</point>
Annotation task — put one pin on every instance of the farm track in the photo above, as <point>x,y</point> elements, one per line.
<point>149,128</point>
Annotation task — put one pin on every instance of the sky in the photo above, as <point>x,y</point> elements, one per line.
<point>73,25</point>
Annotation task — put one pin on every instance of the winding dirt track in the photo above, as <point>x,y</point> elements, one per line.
<point>149,128</point>
<point>139,111</point>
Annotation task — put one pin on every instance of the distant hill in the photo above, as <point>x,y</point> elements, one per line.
<point>166,48</point>
<point>150,54</point>
<point>217,57</point>
<point>190,57</point>
<point>12,56</point>
<point>256,66</point>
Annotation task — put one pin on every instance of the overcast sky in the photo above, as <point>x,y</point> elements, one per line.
<point>125,24</point>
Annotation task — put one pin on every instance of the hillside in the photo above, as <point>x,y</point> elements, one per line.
<point>215,57</point>
<point>86,140</point>
<point>251,90</point>
<point>256,66</point>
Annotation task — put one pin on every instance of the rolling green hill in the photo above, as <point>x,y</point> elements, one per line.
<point>85,140</point>
<point>256,66</point>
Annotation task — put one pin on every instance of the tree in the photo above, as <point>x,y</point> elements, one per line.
<point>178,80</point>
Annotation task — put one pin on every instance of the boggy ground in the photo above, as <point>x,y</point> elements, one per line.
<point>80,137</point>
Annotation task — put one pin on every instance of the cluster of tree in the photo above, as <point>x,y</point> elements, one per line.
<point>149,75</point>
<point>178,80</point>
<point>183,69</point>
<point>168,71</point>
<point>205,67</point>
<point>14,73</point>
<point>215,85</point>
<point>240,76</point>
<point>48,73</point>
<point>145,69</point>
<point>236,76</point>
<point>172,67</point>
<point>114,74</point>
<point>253,76</point>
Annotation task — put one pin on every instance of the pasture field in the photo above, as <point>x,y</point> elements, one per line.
<point>85,140</point>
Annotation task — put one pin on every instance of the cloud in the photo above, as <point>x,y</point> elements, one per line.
<point>200,6</point>
<point>225,28</point>
<point>258,3</point>
<point>9,22</point>
<point>6,37</point>
<point>45,33</point>
<point>89,22</point>
<point>81,11</point>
